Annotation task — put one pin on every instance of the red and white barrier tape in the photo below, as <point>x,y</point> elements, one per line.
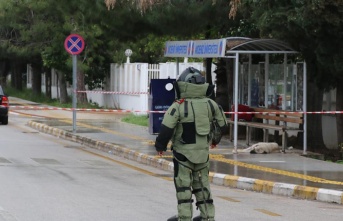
<point>287,112</point>
<point>150,111</point>
<point>113,92</point>
<point>78,109</point>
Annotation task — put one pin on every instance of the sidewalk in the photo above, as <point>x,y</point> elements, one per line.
<point>288,174</point>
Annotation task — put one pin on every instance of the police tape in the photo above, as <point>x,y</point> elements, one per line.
<point>113,92</point>
<point>79,109</point>
<point>287,112</point>
<point>154,111</point>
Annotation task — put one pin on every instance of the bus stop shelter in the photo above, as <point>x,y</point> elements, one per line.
<point>233,48</point>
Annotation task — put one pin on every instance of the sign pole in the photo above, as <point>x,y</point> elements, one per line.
<point>74,45</point>
<point>74,91</point>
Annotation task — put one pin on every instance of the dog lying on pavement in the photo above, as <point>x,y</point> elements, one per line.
<point>261,148</point>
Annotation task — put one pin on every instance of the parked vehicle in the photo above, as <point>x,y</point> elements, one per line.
<point>4,106</point>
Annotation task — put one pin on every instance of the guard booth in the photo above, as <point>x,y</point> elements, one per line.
<point>161,97</point>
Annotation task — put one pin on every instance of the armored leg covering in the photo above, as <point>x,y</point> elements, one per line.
<point>183,182</point>
<point>202,192</point>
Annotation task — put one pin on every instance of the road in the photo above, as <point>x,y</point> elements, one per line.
<point>45,178</point>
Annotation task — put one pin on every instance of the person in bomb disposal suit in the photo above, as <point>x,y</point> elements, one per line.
<point>187,123</point>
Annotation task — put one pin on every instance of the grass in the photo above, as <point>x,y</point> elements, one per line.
<point>141,120</point>
<point>27,94</point>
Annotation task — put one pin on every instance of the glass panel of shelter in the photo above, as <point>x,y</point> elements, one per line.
<point>283,92</point>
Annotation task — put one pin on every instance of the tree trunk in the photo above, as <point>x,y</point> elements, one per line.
<point>81,97</point>
<point>47,82</point>
<point>209,75</point>
<point>4,70</point>
<point>16,76</point>
<point>314,121</point>
<point>62,87</point>
<point>209,71</point>
<point>339,107</point>
<point>222,82</point>
<point>229,82</point>
<point>36,79</point>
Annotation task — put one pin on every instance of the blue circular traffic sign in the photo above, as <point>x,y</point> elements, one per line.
<point>74,44</point>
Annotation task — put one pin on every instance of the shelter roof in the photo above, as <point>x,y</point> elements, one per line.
<point>261,46</point>
<point>225,47</point>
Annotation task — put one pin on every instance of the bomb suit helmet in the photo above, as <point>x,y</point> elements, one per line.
<point>192,75</point>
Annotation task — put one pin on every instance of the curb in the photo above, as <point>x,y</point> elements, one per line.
<point>244,183</point>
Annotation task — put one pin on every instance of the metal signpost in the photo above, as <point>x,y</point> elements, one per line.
<point>74,45</point>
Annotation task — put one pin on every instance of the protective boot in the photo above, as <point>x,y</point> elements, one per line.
<point>197,218</point>
<point>173,218</point>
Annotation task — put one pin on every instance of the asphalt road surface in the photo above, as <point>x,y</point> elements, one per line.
<point>43,178</point>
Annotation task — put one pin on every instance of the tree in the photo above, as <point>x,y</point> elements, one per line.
<point>305,24</point>
<point>314,28</point>
<point>11,52</point>
<point>197,20</point>
<point>27,31</point>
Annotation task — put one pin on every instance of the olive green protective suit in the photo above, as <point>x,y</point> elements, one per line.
<point>187,124</point>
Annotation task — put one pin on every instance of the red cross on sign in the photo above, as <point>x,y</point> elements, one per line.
<point>74,44</point>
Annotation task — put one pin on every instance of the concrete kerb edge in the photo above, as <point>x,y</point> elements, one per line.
<point>104,146</point>
<point>282,189</point>
<point>244,183</point>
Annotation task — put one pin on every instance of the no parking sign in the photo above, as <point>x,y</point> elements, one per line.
<point>74,44</point>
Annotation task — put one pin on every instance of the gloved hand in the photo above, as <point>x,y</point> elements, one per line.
<point>160,153</point>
